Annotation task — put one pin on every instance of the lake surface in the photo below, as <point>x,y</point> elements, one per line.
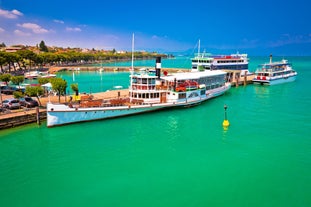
<point>175,157</point>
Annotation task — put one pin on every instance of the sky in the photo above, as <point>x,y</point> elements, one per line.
<point>258,27</point>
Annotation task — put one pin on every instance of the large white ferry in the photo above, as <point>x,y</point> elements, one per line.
<point>274,73</point>
<point>233,62</point>
<point>149,90</point>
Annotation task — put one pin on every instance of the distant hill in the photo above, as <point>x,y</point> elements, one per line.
<point>303,49</point>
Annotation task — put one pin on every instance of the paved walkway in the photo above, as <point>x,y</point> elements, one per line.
<point>54,99</point>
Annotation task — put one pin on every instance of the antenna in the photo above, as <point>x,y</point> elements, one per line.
<point>132,69</point>
<point>133,53</point>
<point>199,48</point>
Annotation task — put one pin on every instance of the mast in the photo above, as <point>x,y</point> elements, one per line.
<point>133,53</point>
<point>199,48</point>
<point>132,69</point>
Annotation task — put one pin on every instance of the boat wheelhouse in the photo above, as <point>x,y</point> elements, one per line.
<point>274,73</point>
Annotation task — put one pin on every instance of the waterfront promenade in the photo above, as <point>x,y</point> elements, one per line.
<point>22,116</point>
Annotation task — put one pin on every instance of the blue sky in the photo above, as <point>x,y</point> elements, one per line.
<point>254,27</point>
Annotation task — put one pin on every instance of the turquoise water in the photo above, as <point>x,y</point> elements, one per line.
<point>92,82</point>
<point>176,157</point>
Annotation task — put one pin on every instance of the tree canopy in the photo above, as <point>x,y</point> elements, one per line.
<point>50,56</point>
<point>16,80</point>
<point>6,77</point>
<point>35,91</point>
<point>43,47</point>
<point>59,85</point>
<point>75,88</point>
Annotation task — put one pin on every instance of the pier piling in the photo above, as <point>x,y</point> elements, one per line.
<point>38,115</point>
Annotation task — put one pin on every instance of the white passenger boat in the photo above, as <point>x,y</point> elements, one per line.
<point>274,73</point>
<point>31,75</point>
<point>234,62</point>
<point>149,90</point>
<point>37,74</point>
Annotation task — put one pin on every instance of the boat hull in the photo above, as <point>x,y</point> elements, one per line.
<point>61,114</point>
<point>275,81</point>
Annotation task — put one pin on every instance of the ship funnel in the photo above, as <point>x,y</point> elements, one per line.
<point>270,58</point>
<point>158,67</point>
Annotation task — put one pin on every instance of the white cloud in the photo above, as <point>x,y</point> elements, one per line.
<point>71,29</point>
<point>37,29</point>
<point>286,39</point>
<point>58,21</point>
<point>21,33</point>
<point>2,30</point>
<point>14,14</point>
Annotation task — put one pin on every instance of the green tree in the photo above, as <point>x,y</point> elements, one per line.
<point>74,87</point>
<point>3,60</point>
<point>16,80</point>
<point>27,55</point>
<point>59,85</point>
<point>43,47</point>
<point>42,81</point>
<point>18,94</point>
<point>6,77</point>
<point>12,58</point>
<point>34,91</point>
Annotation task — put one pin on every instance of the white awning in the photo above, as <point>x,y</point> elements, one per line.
<point>47,85</point>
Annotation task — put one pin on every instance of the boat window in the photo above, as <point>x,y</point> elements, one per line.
<point>181,95</point>
<point>193,94</point>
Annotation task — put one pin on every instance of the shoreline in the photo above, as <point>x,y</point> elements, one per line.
<point>54,70</point>
<point>26,116</point>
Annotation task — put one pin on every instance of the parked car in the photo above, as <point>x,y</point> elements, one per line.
<point>7,90</point>
<point>11,103</point>
<point>28,102</point>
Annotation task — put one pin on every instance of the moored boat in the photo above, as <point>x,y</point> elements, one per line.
<point>275,73</point>
<point>208,61</point>
<point>37,74</point>
<point>31,75</point>
<point>236,65</point>
<point>149,90</point>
